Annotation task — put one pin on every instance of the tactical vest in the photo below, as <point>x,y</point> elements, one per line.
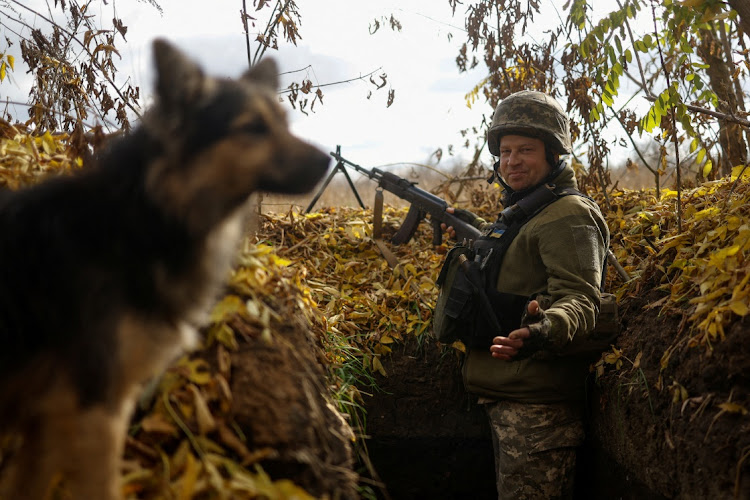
<point>469,306</point>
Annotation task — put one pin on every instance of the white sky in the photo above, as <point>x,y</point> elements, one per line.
<point>429,108</point>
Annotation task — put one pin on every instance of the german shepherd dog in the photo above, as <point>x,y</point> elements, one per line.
<point>105,276</point>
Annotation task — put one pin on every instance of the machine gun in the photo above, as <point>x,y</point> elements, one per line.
<point>422,203</point>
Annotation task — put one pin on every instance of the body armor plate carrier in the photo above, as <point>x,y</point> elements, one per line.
<point>469,307</point>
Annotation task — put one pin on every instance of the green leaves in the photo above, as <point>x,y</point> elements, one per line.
<point>659,109</point>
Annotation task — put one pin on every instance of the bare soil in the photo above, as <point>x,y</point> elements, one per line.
<point>282,404</point>
<point>427,438</point>
<point>678,448</point>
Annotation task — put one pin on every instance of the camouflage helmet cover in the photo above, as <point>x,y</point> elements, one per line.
<point>534,114</point>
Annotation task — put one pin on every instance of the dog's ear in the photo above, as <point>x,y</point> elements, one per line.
<point>179,82</point>
<point>265,72</point>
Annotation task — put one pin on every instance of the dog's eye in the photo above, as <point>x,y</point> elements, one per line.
<point>254,127</point>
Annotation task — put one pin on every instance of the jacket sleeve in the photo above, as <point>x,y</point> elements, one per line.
<point>573,251</point>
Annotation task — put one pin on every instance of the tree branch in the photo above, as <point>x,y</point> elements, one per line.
<point>91,56</point>
<point>710,112</point>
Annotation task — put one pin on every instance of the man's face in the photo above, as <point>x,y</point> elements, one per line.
<point>523,163</point>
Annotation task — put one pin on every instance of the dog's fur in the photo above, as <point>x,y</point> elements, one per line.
<point>105,276</point>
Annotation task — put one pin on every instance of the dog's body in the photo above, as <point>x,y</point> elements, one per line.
<point>105,276</point>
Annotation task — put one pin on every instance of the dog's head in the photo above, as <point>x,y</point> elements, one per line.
<point>224,138</point>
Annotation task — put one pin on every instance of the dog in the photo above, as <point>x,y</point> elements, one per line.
<point>106,275</point>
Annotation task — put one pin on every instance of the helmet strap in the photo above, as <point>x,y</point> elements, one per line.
<point>551,157</point>
<point>494,176</point>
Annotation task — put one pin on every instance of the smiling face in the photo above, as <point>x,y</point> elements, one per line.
<point>523,163</point>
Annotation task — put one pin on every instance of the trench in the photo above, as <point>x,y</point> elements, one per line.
<point>427,440</point>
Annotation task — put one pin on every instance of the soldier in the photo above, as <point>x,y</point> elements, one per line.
<point>531,379</point>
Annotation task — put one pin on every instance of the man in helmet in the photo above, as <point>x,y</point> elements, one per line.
<point>531,377</point>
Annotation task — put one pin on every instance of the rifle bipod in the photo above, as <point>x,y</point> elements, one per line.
<point>338,168</point>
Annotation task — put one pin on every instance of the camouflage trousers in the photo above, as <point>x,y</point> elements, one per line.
<point>535,448</point>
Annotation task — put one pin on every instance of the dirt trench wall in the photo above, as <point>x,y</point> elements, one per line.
<point>429,439</point>
<point>426,438</point>
<point>679,445</point>
<point>282,404</point>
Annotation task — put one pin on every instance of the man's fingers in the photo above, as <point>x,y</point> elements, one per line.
<point>503,357</point>
<point>448,229</point>
<point>520,335</point>
<point>533,308</point>
<point>513,342</point>
<point>503,351</point>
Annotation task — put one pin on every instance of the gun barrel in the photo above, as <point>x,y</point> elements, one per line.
<point>422,203</point>
<point>371,173</point>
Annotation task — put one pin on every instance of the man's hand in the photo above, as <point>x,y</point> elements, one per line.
<point>449,229</point>
<point>506,348</point>
<point>461,214</point>
<point>521,343</point>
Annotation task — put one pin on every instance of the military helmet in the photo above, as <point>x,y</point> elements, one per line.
<point>534,114</point>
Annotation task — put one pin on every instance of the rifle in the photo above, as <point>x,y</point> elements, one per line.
<point>422,203</point>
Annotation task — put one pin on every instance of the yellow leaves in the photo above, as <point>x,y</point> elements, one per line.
<point>223,334</point>
<point>366,303</point>
<point>706,213</point>
<point>211,476</point>
<point>679,393</point>
<point>386,339</point>
<point>47,142</point>
<point>730,407</point>
<point>614,357</point>
<point>5,62</point>
<point>472,96</point>
<point>727,407</point>
<point>206,421</point>
<point>197,370</point>
<point>378,366</point>
<point>26,156</point>
<point>668,194</point>
<point>718,258</point>
<point>704,268</point>
<point>740,171</point>
<point>228,306</point>
<point>209,458</point>
<point>672,242</point>
<point>740,308</point>
<point>189,477</point>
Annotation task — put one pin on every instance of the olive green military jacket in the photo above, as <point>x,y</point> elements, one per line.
<point>560,253</point>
